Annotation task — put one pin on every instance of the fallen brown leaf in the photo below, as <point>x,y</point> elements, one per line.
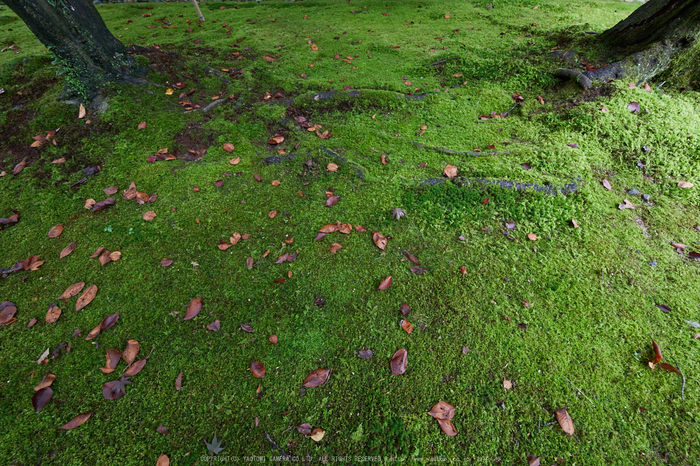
<point>67,250</point>
<point>134,368</point>
<point>86,298</point>
<point>304,429</point>
<point>532,237</point>
<point>386,283</point>
<point>178,382</point>
<point>316,378</point>
<point>246,328</point>
<point>330,228</point>
<point>332,167</point>
<point>412,258</point>
<point>113,356</point>
<point>398,362</point>
<point>657,354</point>
<point>41,398</point>
<point>235,161</point>
<point>56,231</point>
<point>331,201</point>
<point>565,421</point>
<point>442,410</point>
<point>166,262</point>
<point>447,427</point>
<point>273,339</point>
<point>335,247</point>
<point>132,349</point>
<point>685,184</point>
<point>228,147</point>
<point>193,308</point>
<point>214,326</point>
<point>53,314</point>
<point>406,325</point>
<point>379,239</point>
<point>317,434</point>
<point>257,369</point>
<point>72,290</point>
<point>148,216</point>
<point>163,460</point>
<point>76,421</point>
<point>450,171</point>
<point>19,167</point>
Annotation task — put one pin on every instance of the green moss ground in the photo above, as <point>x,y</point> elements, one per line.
<point>592,291</point>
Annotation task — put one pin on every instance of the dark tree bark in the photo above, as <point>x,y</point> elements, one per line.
<point>658,40</point>
<point>76,35</point>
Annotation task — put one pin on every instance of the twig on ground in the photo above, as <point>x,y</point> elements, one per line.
<point>572,384</point>
<point>683,386</point>
<point>284,455</point>
<point>443,61</point>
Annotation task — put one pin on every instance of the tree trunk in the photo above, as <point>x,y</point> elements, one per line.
<point>658,40</point>
<point>76,35</point>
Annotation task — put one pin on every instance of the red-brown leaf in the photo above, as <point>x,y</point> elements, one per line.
<point>131,351</point>
<point>330,228</point>
<point>257,369</point>
<point>214,326</point>
<point>247,328</point>
<point>386,283</point>
<point>304,429</point>
<point>104,204</point>
<point>111,190</point>
<point>447,427</point>
<point>178,382</point>
<point>412,258</point>
<point>76,421</point>
<point>86,298</point>
<point>45,382</point>
<point>273,339</point>
<point>109,321</point>
<point>41,398</point>
<point>398,362</point>
<point>379,239</point>
<point>135,368</point>
<point>19,167</point>
<point>657,353</point>
<point>93,333</point>
<point>249,263</point>
<point>166,262</point>
<point>113,356</point>
<point>53,314</point>
<point>56,231</point>
<point>565,421</point>
<point>193,308</point>
<point>72,290</point>
<point>316,378</point>
<point>67,250</point>
<point>335,247</point>
<point>331,201</point>
<point>442,410</point>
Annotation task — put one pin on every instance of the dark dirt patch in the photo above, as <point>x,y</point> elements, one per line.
<point>192,143</point>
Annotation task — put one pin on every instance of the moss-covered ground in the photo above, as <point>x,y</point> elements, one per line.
<point>568,318</point>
